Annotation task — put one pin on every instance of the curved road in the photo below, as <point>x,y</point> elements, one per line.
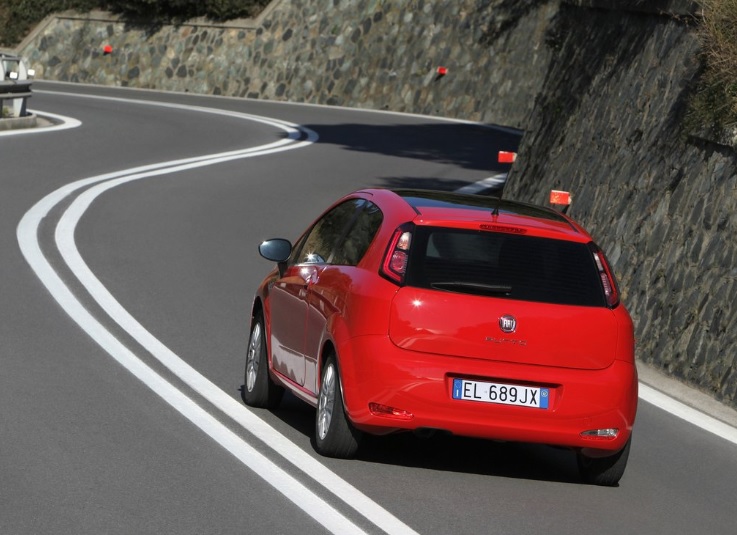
<point>128,267</point>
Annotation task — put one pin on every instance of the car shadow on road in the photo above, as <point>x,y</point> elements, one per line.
<point>449,453</point>
<point>440,184</point>
<point>472,456</point>
<point>465,145</point>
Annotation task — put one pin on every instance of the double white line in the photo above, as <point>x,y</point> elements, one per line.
<point>89,189</point>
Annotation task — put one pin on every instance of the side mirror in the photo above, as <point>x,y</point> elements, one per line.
<point>277,250</point>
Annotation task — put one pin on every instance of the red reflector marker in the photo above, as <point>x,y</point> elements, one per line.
<point>560,197</point>
<point>391,412</point>
<point>507,157</point>
<point>442,71</point>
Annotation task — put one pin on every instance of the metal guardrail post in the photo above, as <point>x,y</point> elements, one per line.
<point>15,86</point>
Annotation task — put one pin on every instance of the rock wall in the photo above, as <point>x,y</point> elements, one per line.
<point>368,53</point>
<point>598,85</point>
<point>608,128</point>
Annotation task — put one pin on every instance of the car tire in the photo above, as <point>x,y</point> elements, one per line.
<point>258,388</point>
<point>604,471</point>
<point>334,436</point>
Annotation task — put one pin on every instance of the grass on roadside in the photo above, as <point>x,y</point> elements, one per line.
<point>713,107</point>
<point>18,17</point>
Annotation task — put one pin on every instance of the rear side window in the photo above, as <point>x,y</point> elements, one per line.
<point>350,250</point>
<point>341,236</point>
<point>320,241</point>
<point>504,265</point>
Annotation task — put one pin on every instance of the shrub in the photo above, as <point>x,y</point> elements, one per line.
<point>161,11</point>
<point>17,17</point>
<point>713,108</point>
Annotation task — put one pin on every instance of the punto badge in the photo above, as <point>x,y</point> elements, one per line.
<point>508,324</point>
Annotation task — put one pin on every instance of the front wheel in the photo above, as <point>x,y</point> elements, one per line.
<point>604,471</point>
<point>259,390</point>
<point>334,434</point>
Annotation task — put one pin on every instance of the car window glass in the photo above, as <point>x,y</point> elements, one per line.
<point>351,249</point>
<point>319,243</point>
<point>506,265</point>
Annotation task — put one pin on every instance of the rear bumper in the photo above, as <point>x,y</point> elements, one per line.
<point>374,370</point>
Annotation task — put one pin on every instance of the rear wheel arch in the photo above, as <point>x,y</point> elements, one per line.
<point>328,350</point>
<point>257,308</point>
<point>334,435</point>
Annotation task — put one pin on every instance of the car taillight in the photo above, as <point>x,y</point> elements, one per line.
<point>378,409</point>
<point>601,434</point>
<point>395,262</point>
<point>608,283</point>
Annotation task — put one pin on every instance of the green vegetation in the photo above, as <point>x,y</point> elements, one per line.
<point>164,11</point>
<point>713,109</point>
<point>17,17</point>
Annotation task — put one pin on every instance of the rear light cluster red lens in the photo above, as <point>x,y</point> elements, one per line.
<point>392,412</point>
<point>601,434</point>
<point>611,292</point>
<point>394,266</point>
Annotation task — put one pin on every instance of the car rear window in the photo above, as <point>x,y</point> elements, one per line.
<point>504,265</point>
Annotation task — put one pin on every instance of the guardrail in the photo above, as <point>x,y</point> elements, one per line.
<point>15,87</point>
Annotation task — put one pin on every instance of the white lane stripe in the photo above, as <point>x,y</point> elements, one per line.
<point>304,498</point>
<point>491,182</point>
<point>65,241</point>
<point>691,415</point>
<point>66,244</point>
<point>432,118</point>
<point>170,105</point>
<point>65,123</point>
<point>275,476</point>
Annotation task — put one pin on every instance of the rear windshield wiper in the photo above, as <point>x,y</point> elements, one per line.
<point>473,287</point>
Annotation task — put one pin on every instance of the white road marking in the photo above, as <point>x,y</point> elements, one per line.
<point>691,415</point>
<point>28,240</point>
<point>487,183</point>
<point>64,123</point>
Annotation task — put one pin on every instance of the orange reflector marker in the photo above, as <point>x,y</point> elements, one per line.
<point>507,157</point>
<point>560,197</point>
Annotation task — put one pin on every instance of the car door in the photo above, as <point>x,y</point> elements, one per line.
<point>289,295</point>
<point>329,290</point>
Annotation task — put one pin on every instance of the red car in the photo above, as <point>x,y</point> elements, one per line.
<point>411,310</point>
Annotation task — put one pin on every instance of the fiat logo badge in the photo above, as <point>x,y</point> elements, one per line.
<point>508,324</point>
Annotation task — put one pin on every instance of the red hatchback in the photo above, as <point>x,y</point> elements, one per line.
<point>432,311</point>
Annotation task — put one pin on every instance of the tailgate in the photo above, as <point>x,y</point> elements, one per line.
<point>462,325</point>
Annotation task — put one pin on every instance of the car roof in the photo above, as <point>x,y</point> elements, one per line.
<point>442,207</point>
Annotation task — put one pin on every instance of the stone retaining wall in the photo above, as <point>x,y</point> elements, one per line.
<point>599,90</point>
<point>368,53</point>
<point>664,207</point>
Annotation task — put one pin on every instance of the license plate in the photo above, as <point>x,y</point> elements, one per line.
<point>524,396</point>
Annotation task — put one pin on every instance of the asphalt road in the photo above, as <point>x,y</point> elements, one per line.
<point>126,281</point>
